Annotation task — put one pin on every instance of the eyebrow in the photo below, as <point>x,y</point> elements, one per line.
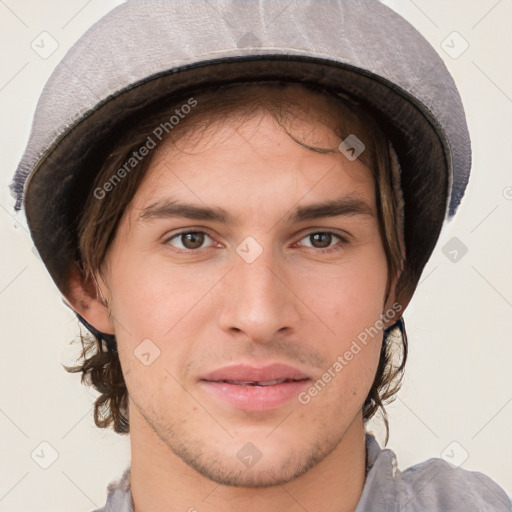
<point>349,205</point>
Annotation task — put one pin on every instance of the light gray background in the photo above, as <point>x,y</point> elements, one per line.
<point>456,401</point>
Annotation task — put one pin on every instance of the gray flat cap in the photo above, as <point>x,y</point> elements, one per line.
<point>143,51</point>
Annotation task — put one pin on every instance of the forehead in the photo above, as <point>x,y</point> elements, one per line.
<point>255,165</point>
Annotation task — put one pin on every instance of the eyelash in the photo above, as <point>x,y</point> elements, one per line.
<point>341,238</point>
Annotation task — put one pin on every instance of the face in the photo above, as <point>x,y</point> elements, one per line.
<point>237,294</point>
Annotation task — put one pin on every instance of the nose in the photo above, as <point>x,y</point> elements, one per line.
<point>258,300</point>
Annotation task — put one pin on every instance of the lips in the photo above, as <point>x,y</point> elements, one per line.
<point>258,383</point>
<point>255,389</point>
<point>269,375</point>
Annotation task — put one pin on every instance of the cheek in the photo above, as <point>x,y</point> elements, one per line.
<point>152,297</point>
<point>347,298</point>
<point>161,314</point>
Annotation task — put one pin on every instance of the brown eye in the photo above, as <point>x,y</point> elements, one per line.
<point>321,240</point>
<point>188,240</point>
<point>325,241</point>
<point>192,240</point>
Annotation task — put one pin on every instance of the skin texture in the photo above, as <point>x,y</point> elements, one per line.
<point>207,308</point>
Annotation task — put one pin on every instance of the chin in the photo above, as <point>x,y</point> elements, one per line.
<point>249,467</point>
<point>260,476</point>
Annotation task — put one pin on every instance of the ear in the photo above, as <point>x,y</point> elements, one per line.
<point>85,298</point>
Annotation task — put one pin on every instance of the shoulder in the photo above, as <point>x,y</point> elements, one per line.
<point>436,485</point>
<point>433,485</point>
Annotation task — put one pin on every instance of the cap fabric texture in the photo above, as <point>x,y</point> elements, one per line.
<point>143,51</point>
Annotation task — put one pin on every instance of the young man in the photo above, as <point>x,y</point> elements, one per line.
<point>240,218</point>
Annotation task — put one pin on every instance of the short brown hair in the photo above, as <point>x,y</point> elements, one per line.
<point>100,367</point>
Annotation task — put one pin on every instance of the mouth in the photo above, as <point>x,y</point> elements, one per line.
<point>255,389</point>
<point>259,383</point>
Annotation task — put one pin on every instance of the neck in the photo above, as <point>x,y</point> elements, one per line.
<point>160,480</point>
